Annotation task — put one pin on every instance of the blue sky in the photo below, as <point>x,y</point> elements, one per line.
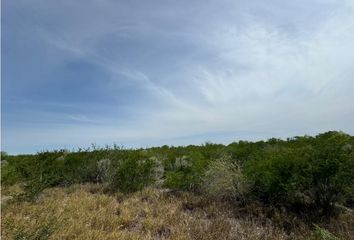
<point>143,73</point>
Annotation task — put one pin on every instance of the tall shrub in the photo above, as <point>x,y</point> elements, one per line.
<point>319,173</point>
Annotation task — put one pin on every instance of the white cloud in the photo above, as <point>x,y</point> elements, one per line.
<point>245,70</point>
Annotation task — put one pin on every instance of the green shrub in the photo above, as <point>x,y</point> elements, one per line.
<point>332,172</point>
<point>9,175</point>
<point>132,173</point>
<point>59,168</point>
<point>186,172</point>
<point>43,171</point>
<point>16,168</point>
<point>316,173</point>
<point>80,167</point>
<point>271,173</point>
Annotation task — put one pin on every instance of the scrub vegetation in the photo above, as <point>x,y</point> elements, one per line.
<point>299,188</point>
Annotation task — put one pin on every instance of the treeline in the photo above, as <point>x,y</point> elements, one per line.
<point>305,172</point>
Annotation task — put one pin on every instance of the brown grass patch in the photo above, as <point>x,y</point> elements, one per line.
<point>86,212</point>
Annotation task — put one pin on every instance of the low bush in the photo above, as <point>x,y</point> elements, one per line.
<point>132,173</point>
<point>186,172</point>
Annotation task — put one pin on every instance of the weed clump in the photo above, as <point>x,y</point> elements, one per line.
<point>224,179</point>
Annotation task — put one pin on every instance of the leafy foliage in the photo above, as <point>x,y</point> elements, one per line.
<point>186,172</point>
<point>312,172</point>
<point>317,172</point>
<point>132,173</point>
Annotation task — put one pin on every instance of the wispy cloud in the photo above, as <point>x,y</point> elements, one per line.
<point>145,73</point>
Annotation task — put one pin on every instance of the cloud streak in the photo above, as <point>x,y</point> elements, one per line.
<point>164,72</point>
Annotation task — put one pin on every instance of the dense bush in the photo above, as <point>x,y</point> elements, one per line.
<point>79,167</point>
<point>16,168</point>
<point>9,173</point>
<point>315,172</point>
<point>132,173</point>
<point>186,172</point>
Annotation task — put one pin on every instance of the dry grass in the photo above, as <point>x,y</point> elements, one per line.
<point>86,212</point>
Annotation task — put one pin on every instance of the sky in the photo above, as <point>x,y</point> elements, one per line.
<point>149,73</point>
